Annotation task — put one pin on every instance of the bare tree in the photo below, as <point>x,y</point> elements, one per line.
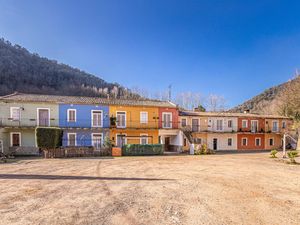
<point>216,103</point>
<point>189,100</point>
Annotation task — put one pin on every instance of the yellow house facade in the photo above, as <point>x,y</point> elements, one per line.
<point>134,124</point>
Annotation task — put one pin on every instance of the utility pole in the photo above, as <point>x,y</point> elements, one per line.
<point>284,146</point>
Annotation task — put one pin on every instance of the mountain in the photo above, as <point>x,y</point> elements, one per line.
<point>275,100</point>
<point>26,72</point>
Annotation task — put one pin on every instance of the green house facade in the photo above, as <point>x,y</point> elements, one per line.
<point>18,121</point>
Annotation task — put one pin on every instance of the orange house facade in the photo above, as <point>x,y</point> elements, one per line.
<point>233,131</point>
<point>169,134</point>
<point>261,132</point>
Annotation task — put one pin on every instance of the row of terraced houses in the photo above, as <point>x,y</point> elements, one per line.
<point>87,121</point>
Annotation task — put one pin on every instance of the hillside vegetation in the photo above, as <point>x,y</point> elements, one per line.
<point>26,72</point>
<point>283,99</point>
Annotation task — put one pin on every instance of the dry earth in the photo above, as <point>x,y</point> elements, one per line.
<point>218,189</point>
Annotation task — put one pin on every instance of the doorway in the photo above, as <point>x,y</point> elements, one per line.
<point>1,146</point>
<point>215,144</point>
<point>167,143</point>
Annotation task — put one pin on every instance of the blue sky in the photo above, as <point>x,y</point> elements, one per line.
<point>231,48</point>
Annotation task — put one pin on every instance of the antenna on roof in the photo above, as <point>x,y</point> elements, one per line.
<point>170,92</point>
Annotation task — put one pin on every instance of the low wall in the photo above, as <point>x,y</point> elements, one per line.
<point>24,151</point>
<point>65,152</point>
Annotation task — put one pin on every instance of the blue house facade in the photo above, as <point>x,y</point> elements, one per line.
<point>84,125</point>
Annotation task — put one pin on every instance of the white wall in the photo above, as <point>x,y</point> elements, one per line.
<point>222,141</point>
<point>212,124</point>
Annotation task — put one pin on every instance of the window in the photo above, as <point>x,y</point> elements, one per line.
<point>71,139</point>
<point>97,140</point>
<point>71,115</point>
<point>271,141</point>
<point>283,124</point>
<point>167,120</point>
<point>219,124</point>
<point>254,126</point>
<point>15,113</point>
<point>144,117</point>
<point>43,117</point>
<point>244,123</point>
<point>97,118</point>
<point>184,142</point>
<point>144,139</point>
<point>229,124</point>
<point>257,141</point>
<point>198,141</point>
<point>121,119</point>
<point>275,126</point>
<point>229,141</point>
<point>244,141</point>
<point>15,139</point>
<point>183,122</point>
<point>195,125</point>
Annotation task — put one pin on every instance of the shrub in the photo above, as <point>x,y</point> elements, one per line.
<point>49,137</point>
<point>107,142</point>
<point>137,149</point>
<point>292,155</point>
<point>198,150</point>
<point>273,153</point>
<point>203,150</point>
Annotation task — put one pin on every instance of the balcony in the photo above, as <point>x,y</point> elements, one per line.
<point>134,124</point>
<point>203,129</point>
<point>27,122</point>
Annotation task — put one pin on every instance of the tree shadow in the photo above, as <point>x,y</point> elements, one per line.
<point>62,177</point>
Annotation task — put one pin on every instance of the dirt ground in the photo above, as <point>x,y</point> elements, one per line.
<point>215,189</point>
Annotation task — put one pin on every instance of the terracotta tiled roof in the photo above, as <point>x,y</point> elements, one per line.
<point>228,114</point>
<point>21,97</point>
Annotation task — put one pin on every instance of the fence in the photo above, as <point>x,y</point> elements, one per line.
<point>65,152</point>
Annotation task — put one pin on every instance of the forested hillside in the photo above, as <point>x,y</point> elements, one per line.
<point>26,72</point>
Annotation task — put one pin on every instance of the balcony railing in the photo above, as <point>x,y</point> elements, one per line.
<point>82,123</point>
<point>132,124</point>
<point>27,122</point>
<point>233,129</point>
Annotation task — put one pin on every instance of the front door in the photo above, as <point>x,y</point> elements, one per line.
<point>195,125</point>
<point>215,143</point>
<point>167,143</point>
<point>120,140</point>
<point>44,119</point>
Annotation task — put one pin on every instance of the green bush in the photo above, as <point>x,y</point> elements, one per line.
<point>292,155</point>
<point>107,142</point>
<point>273,153</point>
<point>137,149</point>
<point>49,137</point>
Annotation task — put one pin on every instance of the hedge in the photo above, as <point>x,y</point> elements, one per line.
<point>49,137</point>
<point>137,149</point>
